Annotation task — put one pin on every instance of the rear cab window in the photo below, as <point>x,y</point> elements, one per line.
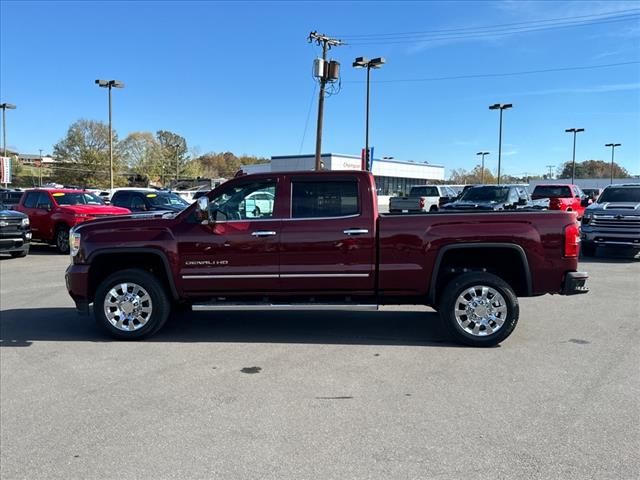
<point>326,198</point>
<point>424,192</point>
<point>548,191</point>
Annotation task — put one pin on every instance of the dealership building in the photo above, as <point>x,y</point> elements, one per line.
<point>392,176</point>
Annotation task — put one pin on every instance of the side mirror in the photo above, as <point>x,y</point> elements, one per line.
<point>203,209</point>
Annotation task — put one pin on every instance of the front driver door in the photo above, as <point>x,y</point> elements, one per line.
<point>238,253</point>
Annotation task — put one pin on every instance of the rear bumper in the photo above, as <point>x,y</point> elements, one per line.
<point>575,283</point>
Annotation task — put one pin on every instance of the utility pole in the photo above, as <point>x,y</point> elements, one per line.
<point>327,43</point>
<point>550,167</point>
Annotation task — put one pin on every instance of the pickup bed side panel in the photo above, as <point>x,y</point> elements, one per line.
<point>410,244</point>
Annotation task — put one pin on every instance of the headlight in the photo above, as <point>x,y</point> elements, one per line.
<point>74,243</point>
<point>25,222</point>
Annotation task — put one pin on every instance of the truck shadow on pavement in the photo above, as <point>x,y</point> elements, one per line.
<point>21,328</point>
<point>613,255</point>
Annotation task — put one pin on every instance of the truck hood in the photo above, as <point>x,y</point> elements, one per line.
<point>624,208</point>
<point>132,220</point>
<point>94,210</point>
<point>473,205</point>
<point>6,214</point>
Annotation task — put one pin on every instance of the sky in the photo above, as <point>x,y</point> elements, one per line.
<point>237,77</point>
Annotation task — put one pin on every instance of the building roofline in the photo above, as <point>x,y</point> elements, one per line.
<point>355,157</point>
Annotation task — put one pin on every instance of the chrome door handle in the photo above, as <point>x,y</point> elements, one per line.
<point>264,233</point>
<point>356,231</point>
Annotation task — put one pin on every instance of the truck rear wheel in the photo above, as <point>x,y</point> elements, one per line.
<point>479,309</point>
<point>131,304</point>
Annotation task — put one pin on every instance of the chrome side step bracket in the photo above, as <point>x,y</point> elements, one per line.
<point>220,306</point>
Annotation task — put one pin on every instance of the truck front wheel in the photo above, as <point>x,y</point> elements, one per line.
<point>131,304</point>
<point>479,309</point>
<point>62,239</point>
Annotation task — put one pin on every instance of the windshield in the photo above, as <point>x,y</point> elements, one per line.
<point>485,194</point>
<point>551,191</point>
<point>77,198</point>
<point>166,199</point>
<point>620,194</point>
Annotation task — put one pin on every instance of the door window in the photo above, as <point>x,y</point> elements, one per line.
<point>31,199</point>
<point>44,201</point>
<point>137,202</point>
<point>316,199</point>
<point>245,201</point>
<point>121,199</point>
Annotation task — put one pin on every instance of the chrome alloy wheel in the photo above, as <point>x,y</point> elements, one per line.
<point>128,307</point>
<point>480,310</point>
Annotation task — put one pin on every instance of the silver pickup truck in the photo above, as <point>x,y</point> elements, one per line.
<point>422,198</point>
<point>614,220</point>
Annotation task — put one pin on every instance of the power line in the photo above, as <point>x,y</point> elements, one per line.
<point>502,74</point>
<point>613,13</point>
<point>493,33</point>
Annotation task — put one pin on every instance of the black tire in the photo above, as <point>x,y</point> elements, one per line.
<point>448,304</point>
<point>160,305</point>
<point>588,249</point>
<point>61,239</point>
<point>21,253</point>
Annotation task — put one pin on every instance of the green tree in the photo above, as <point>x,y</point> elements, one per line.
<point>142,154</point>
<point>83,156</point>
<point>593,169</point>
<point>464,177</point>
<point>175,155</point>
<point>225,165</point>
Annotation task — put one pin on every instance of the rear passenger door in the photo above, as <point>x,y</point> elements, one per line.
<point>328,243</point>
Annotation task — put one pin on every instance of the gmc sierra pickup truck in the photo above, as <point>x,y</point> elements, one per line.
<point>321,246</point>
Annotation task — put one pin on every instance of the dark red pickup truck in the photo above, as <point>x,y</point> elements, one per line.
<point>315,241</point>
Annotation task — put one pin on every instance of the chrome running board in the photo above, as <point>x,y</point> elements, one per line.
<point>221,306</point>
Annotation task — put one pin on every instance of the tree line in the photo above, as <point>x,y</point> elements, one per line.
<point>586,169</point>
<point>82,158</point>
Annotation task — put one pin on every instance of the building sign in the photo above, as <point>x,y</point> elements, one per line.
<point>5,170</point>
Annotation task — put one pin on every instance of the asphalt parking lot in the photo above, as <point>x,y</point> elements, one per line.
<point>327,396</point>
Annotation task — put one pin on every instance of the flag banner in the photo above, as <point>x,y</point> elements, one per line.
<point>5,170</point>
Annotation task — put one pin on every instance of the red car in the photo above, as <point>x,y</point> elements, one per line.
<point>321,245</point>
<point>52,213</point>
<point>565,197</point>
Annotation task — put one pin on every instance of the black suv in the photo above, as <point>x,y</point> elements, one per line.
<point>15,232</point>
<point>149,200</point>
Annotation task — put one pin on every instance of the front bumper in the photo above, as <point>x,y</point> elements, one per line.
<point>77,281</point>
<point>629,238</point>
<point>14,241</point>
<point>575,283</point>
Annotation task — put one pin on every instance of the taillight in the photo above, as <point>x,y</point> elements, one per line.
<point>421,203</point>
<point>571,240</point>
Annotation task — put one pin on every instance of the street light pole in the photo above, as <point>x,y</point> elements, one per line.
<point>575,131</point>
<point>363,62</point>
<point>482,171</point>
<point>4,107</point>
<point>501,107</point>
<point>109,84</point>
<point>41,167</point>
<point>176,146</point>
<point>613,148</point>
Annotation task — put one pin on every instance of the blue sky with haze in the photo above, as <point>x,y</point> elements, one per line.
<point>237,76</point>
